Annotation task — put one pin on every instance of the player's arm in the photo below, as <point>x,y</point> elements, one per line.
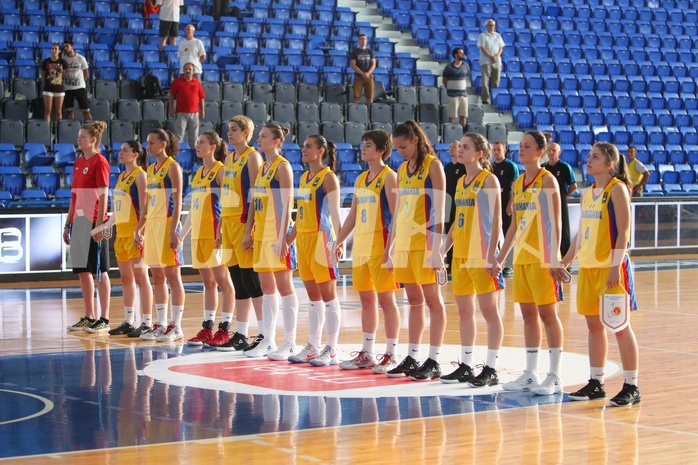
<point>438,198</point>
<point>551,189</point>
<point>176,181</point>
<point>621,205</point>
<point>494,193</point>
<point>285,178</point>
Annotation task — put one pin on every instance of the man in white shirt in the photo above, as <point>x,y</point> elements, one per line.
<point>191,50</point>
<point>74,81</point>
<point>491,46</point>
<point>169,21</point>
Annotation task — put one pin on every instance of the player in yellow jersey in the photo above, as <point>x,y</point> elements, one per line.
<point>316,227</point>
<point>235,231</point>
<point>161,245</point>
<point>274,255</point>
<point>129,203</point>
<point>536,240</point>
<point>370,217</point>
<point>416,240</point>
<point>207,257</point>
<point>604,267</point>
<point>474,235</point>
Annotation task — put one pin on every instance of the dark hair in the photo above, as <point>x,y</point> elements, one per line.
<point>619,169</point>
<point>56,44</point>
<point>221,147</point>
<point>382,139</point>
<point>96,129</point>
<point>69,42</point>
<point>244,123</point>
<point>142,158</point>
<point>540,139</point>
<point>409,130</point>
<point>455,50</point>
<point>277,131</point>
<point>481,145</point>
<point>363,35</point>
<point>171,141</point>
<point>330,154</point>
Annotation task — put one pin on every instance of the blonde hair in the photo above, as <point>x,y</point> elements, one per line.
<point>95,129</point>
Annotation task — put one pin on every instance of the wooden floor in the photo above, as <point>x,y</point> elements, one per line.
<point>427,428</point>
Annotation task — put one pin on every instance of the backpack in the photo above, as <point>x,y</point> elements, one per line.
<point>151,87</point>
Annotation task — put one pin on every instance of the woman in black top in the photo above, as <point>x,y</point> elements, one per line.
<point>52,70</point>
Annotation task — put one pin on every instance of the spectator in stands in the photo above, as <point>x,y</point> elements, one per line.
<point>363,62</point>
<point>568,184</point>
<point>638,173</point>
<point>191,50</point>
<point>150,7</point>
<point>454,170</point>
<point>221,8</point>
<point>491,46</point>
<point>169,21</point>
<point>455,78</point>
<point>187,90</point>
<point>52,69</point>
<point>75,81</point>
<point>506,172</point>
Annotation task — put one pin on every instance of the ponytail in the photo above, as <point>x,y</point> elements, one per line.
<point>221,151</point>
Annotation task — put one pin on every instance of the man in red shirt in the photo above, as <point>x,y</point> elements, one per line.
<point>187,90</point>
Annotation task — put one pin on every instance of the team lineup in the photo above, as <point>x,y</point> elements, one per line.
<point>246,244</point>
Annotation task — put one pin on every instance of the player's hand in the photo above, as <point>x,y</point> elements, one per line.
<point>613,279</point>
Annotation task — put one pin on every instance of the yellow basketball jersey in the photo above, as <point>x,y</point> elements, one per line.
<point>267,203</point>
<point>415,218</point>
<point>473,221</point>
<point>236,187</point>
<point>313,211</point>
<point>160,203</point>
<point>598,227</point>
<point>127,207</point>
<point>373,215</point>
<point>205,208</point>
<point>534,234</point>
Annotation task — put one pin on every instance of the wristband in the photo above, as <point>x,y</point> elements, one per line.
<point>68,226</point>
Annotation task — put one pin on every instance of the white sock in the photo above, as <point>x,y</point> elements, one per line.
<point>333,313</point>
<point>631,376</point>
<point>177,312</point>
<point>129,312</point>
<point>227,316</point>
<point>316,321</point>
<point>466,355</point>
<point>209,315</point>
<point>391,345</point>
<point>532,359</point>
<point>492,357</point>
<point>289,308</point>
<point>555,359</point>
<point>369,342</point>
<point>598,373</point>
<point>148,319</point>
<point>242,327</point>
<point>270,309</point>
<point>161,314</point>
<point>434,352</point>
<point>413,351</point>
